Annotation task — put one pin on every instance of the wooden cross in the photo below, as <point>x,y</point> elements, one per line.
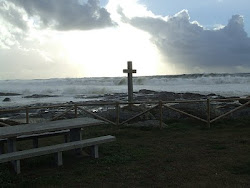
<point>130,72</point>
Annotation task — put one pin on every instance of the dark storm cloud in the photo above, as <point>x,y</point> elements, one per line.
<point>12,15</point>
<point>187,44</point>
<point>67,14</point>
<point>13,26</point>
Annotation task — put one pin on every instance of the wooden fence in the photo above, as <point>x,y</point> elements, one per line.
<point>79,109</point>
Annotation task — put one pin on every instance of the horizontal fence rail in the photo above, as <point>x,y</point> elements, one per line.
<point>79,109</point>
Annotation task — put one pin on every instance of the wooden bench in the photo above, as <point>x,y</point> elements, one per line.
<point>35,138</point>
<point>15,157</point>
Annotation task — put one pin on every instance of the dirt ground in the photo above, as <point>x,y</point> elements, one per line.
<point>186,154</point>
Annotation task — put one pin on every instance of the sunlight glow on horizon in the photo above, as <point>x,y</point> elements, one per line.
<point>106,52</point>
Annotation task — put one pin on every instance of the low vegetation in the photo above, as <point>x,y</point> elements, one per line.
<point>186,154</point>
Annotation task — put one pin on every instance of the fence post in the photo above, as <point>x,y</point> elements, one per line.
<point>117,107</point>
<point>27,114</point>
<point>160,108</point>
<point>208,113</point>
<point>75,110</point>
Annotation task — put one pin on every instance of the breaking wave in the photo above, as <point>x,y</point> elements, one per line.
<point>220,84</point>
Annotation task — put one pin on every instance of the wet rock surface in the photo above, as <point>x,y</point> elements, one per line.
<point>243,101</point>
<point>39,96</point>
<point>199,109</point>
<point>7,99</point>
<point>9,94</point>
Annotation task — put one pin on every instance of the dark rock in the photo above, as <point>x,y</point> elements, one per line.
<point>223,108</point>
<point>40,96</point>
<point>243,101</point>
<point>110,114</point>
<point>146,91</point>
<point>211,95</point>
<point>167,114</point>
<point>148,95</point>
<point>9,94</point>
<point>126,113</point>
<point>167,96</point>
<point>192,96</point>
<point>7,99</point>
<point>196,109</point>
<point>244,112</point>
<point>115,97</point>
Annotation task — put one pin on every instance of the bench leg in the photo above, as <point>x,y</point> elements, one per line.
<point>11,142</point>
<point>35,142</point>
<point>94,151</point>
<point>1,148</point>
<point>76,135</point>
<point>59,159</point>
<point>66,138</point>
<point>17,166</point>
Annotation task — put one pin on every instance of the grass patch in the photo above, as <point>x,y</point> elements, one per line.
<point>183,155</point>
<point>243,169</point>
<point>218,147</point>
<point>232,123</point>
<point>185,125</point>
<point>6,178</point>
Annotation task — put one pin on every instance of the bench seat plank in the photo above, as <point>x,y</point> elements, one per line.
<point>55,148</point>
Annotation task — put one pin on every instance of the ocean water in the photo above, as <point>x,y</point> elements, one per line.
<point>69,89</point>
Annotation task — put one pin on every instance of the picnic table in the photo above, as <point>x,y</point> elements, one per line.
<point>73,125</point>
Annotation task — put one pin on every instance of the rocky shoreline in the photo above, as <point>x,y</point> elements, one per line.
<point>199,109</point>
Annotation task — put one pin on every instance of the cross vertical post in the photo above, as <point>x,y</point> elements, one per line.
<point>130,72</point>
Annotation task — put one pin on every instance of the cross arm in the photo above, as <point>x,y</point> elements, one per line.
<point>129,71</point>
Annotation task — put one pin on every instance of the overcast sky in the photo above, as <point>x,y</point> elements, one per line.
<point>80,38</point>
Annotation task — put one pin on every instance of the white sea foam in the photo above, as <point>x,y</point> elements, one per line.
<point>68,88</point>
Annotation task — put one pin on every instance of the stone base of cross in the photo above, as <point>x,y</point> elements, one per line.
<point>130,72</point>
